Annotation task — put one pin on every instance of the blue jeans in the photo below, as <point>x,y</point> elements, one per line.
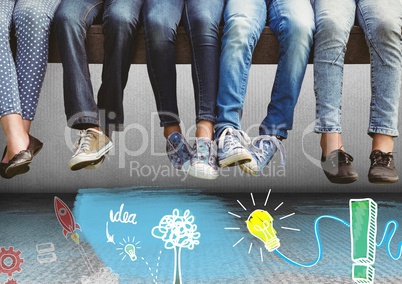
<point>381,22</point>
<point>120,24</point>
<point>292,21</point>
<point>21,79</point>
<point>201,20</point>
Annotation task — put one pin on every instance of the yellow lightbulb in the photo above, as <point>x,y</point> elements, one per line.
<point>130,250</point>
<point>260,225</point>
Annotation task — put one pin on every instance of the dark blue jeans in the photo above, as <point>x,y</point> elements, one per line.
<point>201,20</point>
<point>120,24</point>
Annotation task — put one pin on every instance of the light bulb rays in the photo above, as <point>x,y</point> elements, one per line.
<point>259,223</point>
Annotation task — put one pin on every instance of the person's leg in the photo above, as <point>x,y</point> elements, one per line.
<point>120,24</point>
<point>334,20</point>
<point>161,19</point>
<point>72,20</point>
<point>201,20</point>
<point>382,24</point>
<point>243,24</point>
<point>32,24</point>
<point>292,21</point>
<point>10,104</point>
<point>32,50</point>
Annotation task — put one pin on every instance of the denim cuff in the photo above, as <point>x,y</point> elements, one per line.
<point>218,128</point>
<point>386,131</point>
<point>205,117</point>
<point>274,132</point>
<point>169,123</point>
<point>328,130</point>
<point>83,120</point>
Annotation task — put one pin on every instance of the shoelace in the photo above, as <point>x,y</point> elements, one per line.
<point>84,142</point>
<point>383,159</point>
<point>229,139</point>
<point>343,157</point>
<point>261,153</point>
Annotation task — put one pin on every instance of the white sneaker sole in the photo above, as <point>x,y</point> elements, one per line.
<point>203,171</point>
<point>240,157</point>
<point>80,162</point>
<point>250,168</point>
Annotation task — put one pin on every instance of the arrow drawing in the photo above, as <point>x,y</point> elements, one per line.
<point>110,238</point>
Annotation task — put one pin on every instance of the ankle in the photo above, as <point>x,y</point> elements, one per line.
<point>205,128</point>
<point>384,143</point>
<point>330,142</point>
<point>170,129</point>
<point>15,144</point>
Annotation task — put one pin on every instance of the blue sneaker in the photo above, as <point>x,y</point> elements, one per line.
<point>262,150</point>
<point>204,160</point>
<point>178,151</point>
<point>232,149</point>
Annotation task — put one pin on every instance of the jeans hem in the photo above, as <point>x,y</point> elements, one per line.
<point>274,132</point>
<point>83,120</point>
<point>169,123</point>
<point>206,117</point>
<point>327,130</point>
<point>386,131</point>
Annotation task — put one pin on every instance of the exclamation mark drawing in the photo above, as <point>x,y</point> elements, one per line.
<point>363,231</point>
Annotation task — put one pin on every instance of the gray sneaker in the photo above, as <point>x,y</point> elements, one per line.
<point>204,159</point>
<point>90,149</point>
<point>232,149</point>
<point>178,151</point>
<point>262,150</point>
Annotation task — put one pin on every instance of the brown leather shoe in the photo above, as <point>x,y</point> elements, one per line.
<point>18,164</point>
<point>338,167</point>
<point>34,145</point>
<point>3,170</point>
<point>3,166</point>
<point>382,169</point>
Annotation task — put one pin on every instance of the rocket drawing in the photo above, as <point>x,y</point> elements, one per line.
<point>66,219</point>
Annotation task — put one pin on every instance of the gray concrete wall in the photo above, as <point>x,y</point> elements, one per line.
<point>138,158</point>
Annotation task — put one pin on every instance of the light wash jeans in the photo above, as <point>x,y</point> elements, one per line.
<point>381,22</point>
<point>21,80</point>
<point>292,21</point>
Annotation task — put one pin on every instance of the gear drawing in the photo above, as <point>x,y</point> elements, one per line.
<point>11,281</point>
<point>10,261</point>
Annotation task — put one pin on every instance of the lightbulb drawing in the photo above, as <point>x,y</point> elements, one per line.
<point>128,248</point>
<point>260,225</point>
<point>262,230</point>
<point>130,251</point>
